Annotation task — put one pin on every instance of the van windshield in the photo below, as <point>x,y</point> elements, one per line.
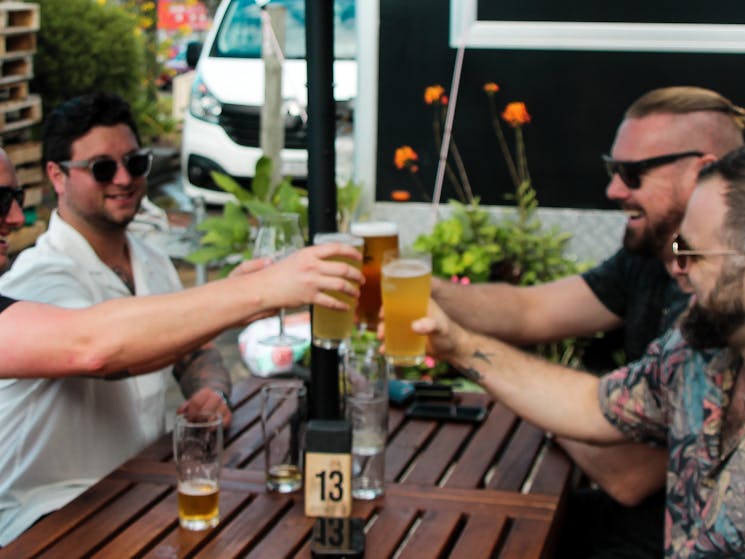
<point>239,35</point>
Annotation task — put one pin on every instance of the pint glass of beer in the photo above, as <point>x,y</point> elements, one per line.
<point>197,450</point>
<point>405,285</point>
<point>330,326</point>
<point>379,237</point>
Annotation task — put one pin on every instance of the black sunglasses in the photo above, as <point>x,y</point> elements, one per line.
<point>631,171</point>
<point>684,254</point>
<point>7,195</point>
<point>104,168</point>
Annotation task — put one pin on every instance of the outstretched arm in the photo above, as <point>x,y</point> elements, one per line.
<point>526,315</point>
<point>140,334</point>
<point>555,398</point>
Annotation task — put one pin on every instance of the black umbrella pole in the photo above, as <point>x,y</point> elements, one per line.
<point>321,116</point>
<point>323,397</point>
<point>323,392</point>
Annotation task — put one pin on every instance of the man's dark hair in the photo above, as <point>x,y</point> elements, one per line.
<point>731,168</point>
<point>75,117</point>
<point>684,100</point>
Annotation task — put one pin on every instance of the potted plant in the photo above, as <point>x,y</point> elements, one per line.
<point>227,239</point>
<point>470,245</point>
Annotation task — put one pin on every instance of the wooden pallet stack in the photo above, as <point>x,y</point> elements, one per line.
<point>21,110</point>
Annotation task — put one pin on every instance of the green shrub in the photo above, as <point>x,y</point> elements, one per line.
<point>86,46</point>
<point>515,249</point>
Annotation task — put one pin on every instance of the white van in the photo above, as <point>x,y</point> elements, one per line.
<point>221,125</point>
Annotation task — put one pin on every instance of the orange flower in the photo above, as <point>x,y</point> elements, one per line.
<point>433,94</point>
<point>491,88</point>
<point>406,157</point>
<point>515,114</point>
<point>400,195</point>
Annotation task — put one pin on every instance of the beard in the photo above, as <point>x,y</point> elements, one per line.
<point>714,325</point>
<point>654,240</point>
<point>706,329</point>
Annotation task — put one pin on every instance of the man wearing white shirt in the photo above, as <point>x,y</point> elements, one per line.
<point>57,437</point>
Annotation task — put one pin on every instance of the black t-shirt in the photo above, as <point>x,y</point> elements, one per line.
<point>5,302</point>
<point>638,289</point>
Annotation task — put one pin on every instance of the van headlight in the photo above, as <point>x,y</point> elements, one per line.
<point>202,104</point>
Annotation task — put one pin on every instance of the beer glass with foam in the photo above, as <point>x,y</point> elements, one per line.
<point>405,286</point>
<point>197,450</point>
<point>330,326</point>
<point>379,237</point>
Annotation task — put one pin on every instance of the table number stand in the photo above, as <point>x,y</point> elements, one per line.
<point>328,469</point>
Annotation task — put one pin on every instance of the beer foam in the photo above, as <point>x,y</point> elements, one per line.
<point>406,268</point>
<point>344,238</point>
<point>374,228</point>
<point>197,487</point>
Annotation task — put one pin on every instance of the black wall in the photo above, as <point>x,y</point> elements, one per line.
<point>576,98</point>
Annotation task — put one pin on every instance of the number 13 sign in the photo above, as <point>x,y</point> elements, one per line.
<point>328,469</point>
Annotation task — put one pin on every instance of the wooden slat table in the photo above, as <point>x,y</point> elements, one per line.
<point>454,490</point>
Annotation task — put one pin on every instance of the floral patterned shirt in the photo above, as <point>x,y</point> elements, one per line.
<point>679,397</point>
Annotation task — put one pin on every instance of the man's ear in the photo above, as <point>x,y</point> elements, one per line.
<point>56,176</point>
<point>705,159</point>
<point>695,169</point>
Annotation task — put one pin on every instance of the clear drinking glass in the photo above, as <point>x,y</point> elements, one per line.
<point>279,235</point>
<point>365,378</point>
<point>283,418</point>
<point>197,451</point>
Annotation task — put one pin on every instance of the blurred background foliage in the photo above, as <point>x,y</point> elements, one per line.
<point>90,45</point>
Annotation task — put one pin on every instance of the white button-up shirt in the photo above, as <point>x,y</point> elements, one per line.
<point>58,437</point>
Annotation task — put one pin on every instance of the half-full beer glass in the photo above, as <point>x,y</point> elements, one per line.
<point>197,450</point>
<point>379,237</point>
<point>330,326</point>
<point>405,285</point>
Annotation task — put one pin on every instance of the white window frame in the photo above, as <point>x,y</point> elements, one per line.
<point>600,36</point>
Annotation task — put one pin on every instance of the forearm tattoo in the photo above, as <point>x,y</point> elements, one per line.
<point>203,367</point>
<point>482,357</point>
<point>471,373</point>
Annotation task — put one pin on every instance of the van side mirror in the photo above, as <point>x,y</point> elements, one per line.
<point>193,50</point>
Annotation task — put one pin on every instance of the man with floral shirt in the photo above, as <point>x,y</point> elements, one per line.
<point>686,392</point>
<point>653,168</point>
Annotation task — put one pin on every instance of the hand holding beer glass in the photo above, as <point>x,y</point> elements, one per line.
<point>197,450</point>
<point>405,286</point>
<point>379,236</point>
<point>330,326</point>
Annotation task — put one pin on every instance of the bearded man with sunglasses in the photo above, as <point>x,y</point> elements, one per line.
<point>666,137</point>
<point>93,158</point>
<point>687,392</point>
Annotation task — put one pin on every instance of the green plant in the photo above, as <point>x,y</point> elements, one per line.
<point>76,53</point>
<point>516,249</point>
<point>465,244</point>
<point>227,238</point>
<point>90,45</point>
